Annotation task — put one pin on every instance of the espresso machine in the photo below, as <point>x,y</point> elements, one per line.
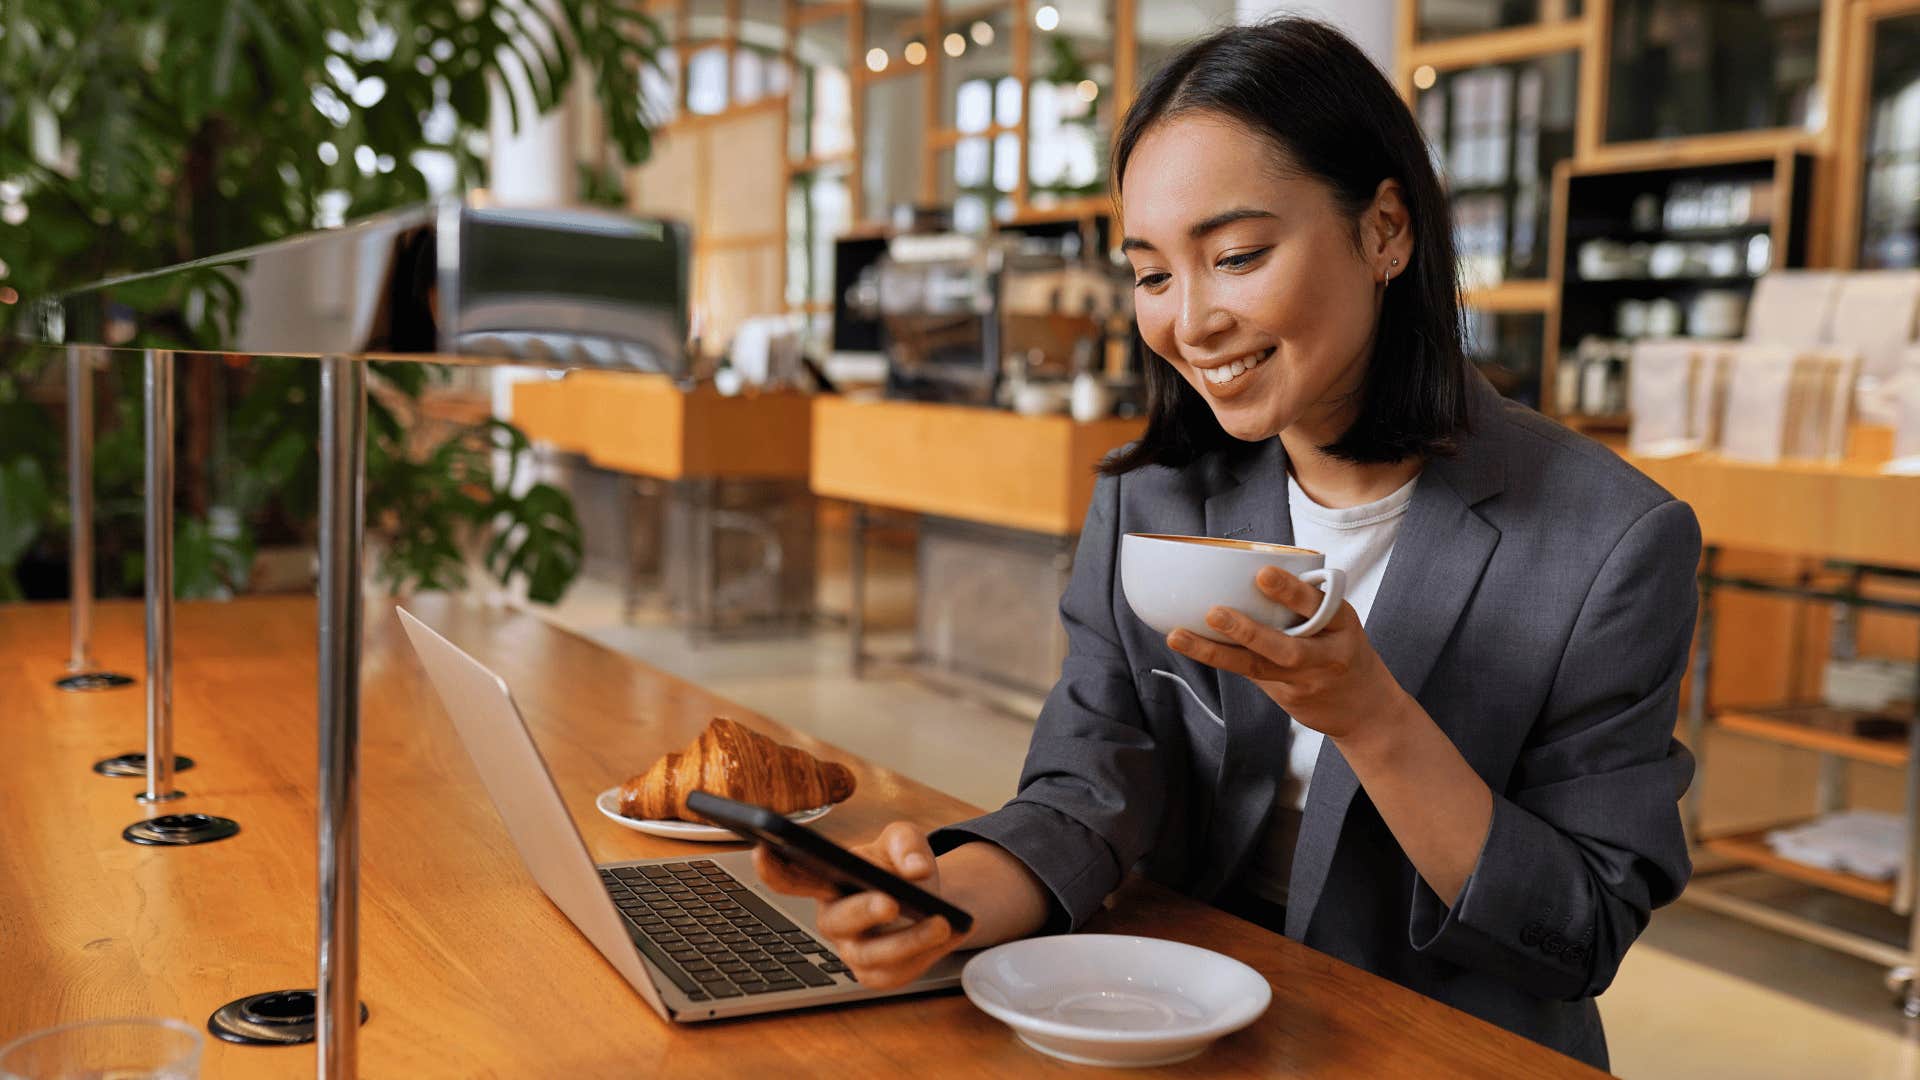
<point>963,318</point>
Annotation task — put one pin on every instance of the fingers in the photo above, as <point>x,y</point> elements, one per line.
<point>1283,588</point>
<point>906,851</point>
<point>899,949</point>
<point>864,929</point>
<point>1257,650</point>
<point>882,958</point>
<point>1215,655</point>
<point>1280,650</point>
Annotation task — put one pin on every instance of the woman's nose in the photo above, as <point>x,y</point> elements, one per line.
<point>1200,318</point>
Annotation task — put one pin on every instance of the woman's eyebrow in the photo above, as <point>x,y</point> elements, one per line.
<point>1203,227</point>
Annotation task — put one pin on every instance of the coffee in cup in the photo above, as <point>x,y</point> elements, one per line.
<point>1171,582</point>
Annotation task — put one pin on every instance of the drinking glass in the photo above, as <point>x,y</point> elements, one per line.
<point>124,1049</point>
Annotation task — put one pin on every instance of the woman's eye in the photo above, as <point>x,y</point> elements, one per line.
<point>1240,261</point>
<point>1148,281</point>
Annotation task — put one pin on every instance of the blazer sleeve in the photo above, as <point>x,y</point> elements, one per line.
<point>1091,790</point>
<point>1587,838</point>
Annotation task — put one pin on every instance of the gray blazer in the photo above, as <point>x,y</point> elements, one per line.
<point>1539,603</point>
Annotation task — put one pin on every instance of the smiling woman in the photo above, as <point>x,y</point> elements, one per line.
<point>1270,217</point>
<point>1463,777</point>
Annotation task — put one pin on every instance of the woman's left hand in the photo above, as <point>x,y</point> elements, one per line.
<point>1333,682</point>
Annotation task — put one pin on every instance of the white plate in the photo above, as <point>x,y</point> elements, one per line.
<point>1109,999</point>
<point>609,804</point>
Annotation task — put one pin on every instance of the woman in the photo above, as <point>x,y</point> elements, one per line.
<point>1467,783</point>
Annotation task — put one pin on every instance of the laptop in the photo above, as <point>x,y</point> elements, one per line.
<point>699,938</point>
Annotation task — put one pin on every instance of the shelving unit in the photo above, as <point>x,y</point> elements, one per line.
<point>1828,52</point>
<point>1603,205</point>
<point>1841,732</point>
<point>1889,739</point>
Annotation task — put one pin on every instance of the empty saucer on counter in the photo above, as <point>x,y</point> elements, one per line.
<point>1110,999</point>
<point>609,804</point>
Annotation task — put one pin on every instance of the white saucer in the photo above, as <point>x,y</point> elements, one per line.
<point>609,804</point>
<point>1109,999</point>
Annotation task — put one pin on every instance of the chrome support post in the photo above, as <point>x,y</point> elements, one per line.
<point>159,575</point>
<point>343,448</point>
<point>81,674</point>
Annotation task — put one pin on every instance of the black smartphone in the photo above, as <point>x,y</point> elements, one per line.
<point>804,848</point>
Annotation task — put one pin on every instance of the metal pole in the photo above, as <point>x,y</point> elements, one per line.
<point>343,443</point>
<point>80,503</point>
<point>159,573</point>
<point>81,360</point>
<point>857,581</point>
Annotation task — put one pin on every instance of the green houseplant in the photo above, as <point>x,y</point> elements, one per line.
<point>141,133</point>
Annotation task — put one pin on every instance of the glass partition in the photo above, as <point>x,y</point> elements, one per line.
<point>976,56</point>
<point>1071,100</point>
<point>759,63</point>
<point>1696,67</point>
<point>1161,29</point>
<point>893,134</point>
<point>820,108</point>
<point>1497,132</point>
<point>1890,203</point>
<point>1439,19</point>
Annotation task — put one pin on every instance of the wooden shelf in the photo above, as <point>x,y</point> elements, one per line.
<point>1588,424</point>
<point>1845,510</point>
<point>1498,46</point>
<point>1750,849</point>
<point>1511,297</point>
<point>1821,728</point>
<point>645,425</point>
<point>984,465</point>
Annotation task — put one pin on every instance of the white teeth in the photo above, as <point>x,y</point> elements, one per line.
<point>1226,373</point>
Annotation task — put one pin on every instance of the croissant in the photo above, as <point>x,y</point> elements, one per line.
<point>732,761</point>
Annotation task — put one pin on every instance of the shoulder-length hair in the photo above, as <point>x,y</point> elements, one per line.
<point>1333,116</point>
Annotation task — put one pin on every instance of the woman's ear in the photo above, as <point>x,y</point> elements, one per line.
<point>1388,231</point>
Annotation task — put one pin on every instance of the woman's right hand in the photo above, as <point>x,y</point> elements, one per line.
<point>865,929</point>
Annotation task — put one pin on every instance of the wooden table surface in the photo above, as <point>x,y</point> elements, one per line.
<point>466,967</point>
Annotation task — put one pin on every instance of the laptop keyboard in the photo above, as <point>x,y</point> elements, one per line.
<point>714,937</point>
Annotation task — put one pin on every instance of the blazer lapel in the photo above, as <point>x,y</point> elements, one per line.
<point>1256,728</point>
<point>1437,561</point>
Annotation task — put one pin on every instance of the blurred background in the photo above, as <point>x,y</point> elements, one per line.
<point>1688,228</point>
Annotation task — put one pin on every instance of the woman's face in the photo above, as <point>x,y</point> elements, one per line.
<point>1248,277</point>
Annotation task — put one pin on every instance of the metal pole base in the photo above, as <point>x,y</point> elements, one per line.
<point>136,765</point>
<point>275,1018</point>
<point>88,681</point>
<point>179,830</point>
<point>146,799</point>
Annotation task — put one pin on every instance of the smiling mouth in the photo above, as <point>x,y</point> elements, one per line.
<point>1227,374</point>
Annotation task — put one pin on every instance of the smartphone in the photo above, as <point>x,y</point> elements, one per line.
<point>804,848</point>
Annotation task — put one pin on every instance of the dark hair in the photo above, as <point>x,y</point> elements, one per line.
<point>1332,114</point>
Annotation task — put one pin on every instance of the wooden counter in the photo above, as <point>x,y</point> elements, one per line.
<point>466,967</point>
<point>1839,511</point>
<point>647,426</point>
<point>983,465</point>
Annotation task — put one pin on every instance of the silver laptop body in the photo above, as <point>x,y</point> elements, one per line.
<point>523,791</point>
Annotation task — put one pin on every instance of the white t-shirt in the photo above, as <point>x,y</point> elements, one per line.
<point>1359,540</point>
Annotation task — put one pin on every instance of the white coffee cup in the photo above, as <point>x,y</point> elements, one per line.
<point>1171,582</point>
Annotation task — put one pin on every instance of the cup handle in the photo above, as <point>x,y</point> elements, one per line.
<point>1334,584</point>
